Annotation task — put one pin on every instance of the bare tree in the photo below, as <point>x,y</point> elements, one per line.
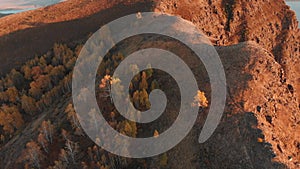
<point>43,142</point>
<point>47,129</point>
<point>65,134</point>
<point>72,149</point>
<point>105,87</point>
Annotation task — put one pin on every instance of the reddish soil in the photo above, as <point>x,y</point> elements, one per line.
<point>260,127</point>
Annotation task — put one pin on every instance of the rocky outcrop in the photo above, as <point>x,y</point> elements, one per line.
<point>262,107</point>
<point>270,23</point>
<point>260,127</point>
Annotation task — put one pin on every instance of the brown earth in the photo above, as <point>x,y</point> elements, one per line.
<point>259,106</point>
<point>270,23</point>
<point>262,76</point>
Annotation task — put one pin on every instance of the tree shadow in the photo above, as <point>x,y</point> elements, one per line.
<point>20,46</point>
<point>238,143</point>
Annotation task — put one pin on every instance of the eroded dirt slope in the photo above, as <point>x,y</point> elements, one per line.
<point>261,120</point>
<point>270,23</point>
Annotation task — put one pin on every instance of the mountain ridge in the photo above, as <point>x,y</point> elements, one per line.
<point>258,43</point>
<point>228,22</point>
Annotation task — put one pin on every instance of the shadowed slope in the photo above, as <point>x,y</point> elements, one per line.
<point>270,23</point>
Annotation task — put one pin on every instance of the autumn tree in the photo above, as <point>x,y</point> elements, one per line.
<point>1,85</point>
<point>3,97</point>
<point>163,160</point>
<point>155,134</point>
<point>27,72</point>
<point>32,154</point>
<point>43,82</point>
<point>42,62</point>
<point>105,86</point>
<point>57,73</point>
<point>128,128</point>
<point>144,99</point>
<point>98,159</point>
<point>67,83</point>
<point>10,119</point>
<point>65,134</point>
<point>39,86</point>
<point>58,164</point>
<point>63,155</point>
<point>36,71</point>
<point>48,69</point>
<point>72,117</point>
<point>35,90</point>
<point>70,64</point>
<point>141,99</point>
<point>28,104</point>
<point>17,78</point>
<point>154,85</point>
<point>135,82</point>
<point>149,71</point>
<point>143,83</point>
<point>200,100</point>
<point>62,54</point>
<point>78,49</point>
<point>12,94</point>
<point>8,82</point>
<point>136,99</point>
<point>58,51</point>
<point>117,59</point>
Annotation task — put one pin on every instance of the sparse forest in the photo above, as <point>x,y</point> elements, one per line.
<point>257,43</point>
<point>29,92</point>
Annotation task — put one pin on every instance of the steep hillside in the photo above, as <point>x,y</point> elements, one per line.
<point>259,100</point>
<point>260,126</point>
<point>31,33</point>
<point>270,23</point>
<point>258,130</point>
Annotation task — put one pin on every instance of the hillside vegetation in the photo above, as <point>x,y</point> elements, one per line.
<point>261,122</point>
